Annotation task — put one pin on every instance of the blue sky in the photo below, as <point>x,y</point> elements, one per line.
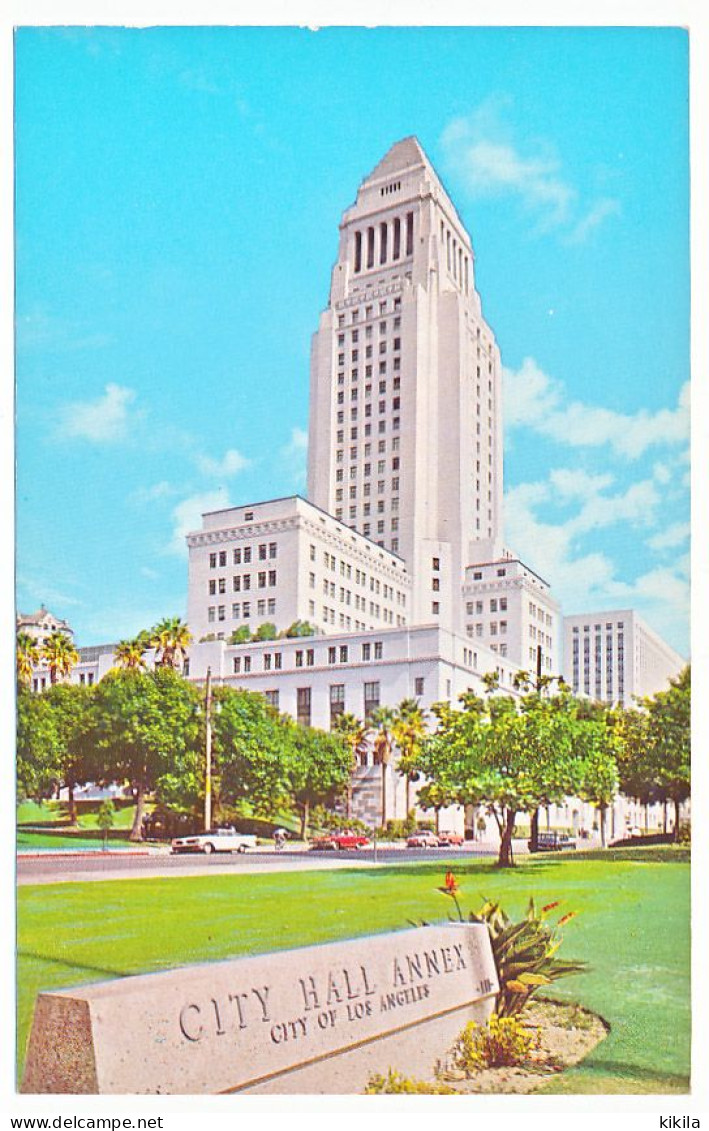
<point>178,195</point>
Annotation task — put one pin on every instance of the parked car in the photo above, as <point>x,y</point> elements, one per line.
<point>423,840</point>
<point>450,840</point>
<point>215,840</point>
<point>552,842</point>
<point>339,841</point>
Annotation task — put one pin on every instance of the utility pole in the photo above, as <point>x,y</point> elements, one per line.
<point>534,822</point>
<point>208,752</point>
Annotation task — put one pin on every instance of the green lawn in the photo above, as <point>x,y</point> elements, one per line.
<point>633,929</point>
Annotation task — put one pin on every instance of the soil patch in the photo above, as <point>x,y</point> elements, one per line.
<point>567,1033</point>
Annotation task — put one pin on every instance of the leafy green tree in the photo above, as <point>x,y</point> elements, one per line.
<point>27,657</point>
<point>60,656</point>
<point>300,628</point>
<point>266,631</point>
<point>598,745</point>
<point>320,770</point>
<point>71,705</point>
<point>37,746</point>
<point>507,755</point>
<point>253,750</point>
<point>241,635</point>
<point>105,819</point>
<point>145,726</point>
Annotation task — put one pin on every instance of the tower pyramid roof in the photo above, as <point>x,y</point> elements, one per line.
<point>404,154</point>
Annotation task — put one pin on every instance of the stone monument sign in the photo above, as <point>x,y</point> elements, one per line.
<point>316,1019</point>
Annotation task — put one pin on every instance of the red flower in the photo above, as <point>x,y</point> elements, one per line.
<point>565,918</point>
<point>451,883</point>
<point>551,906</point>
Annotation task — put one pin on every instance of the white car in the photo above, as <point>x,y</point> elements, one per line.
<point>214,840</point>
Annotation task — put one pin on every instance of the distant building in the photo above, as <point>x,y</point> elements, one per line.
<point>42,624</point>
<point>510,610</point>
<point>615,657</point>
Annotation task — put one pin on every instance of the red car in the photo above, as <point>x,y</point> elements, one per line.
<point>341,840</point>
<point>423,840</point>
<point>453,840</point>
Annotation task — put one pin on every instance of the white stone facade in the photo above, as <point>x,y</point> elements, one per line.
<point>286,560</point>
<point>405,439</point>
<point>614,657</point>
<point>509,609</point>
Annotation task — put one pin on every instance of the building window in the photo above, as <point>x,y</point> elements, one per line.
<point>304,700</point>
<point>271,698</point>
<point>337,701</point>
<point>435,608</point>
<point>212,561</point>
<point>371,698</point>
<point>310,657</point>
<point>366,651</point>
<point>418,685</point>
<point>343,654</point>
<point>378,650</point>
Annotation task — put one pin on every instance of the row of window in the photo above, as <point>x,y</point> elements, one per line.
<point>242,582</point>
<point>381,243</point>
<point>243,554</point>
<point>242,610</point>
<point>457,260</point>
<point>368,311</point>
<point>305,657</point>
<point>493,628</point>
<point>496,603</point>
<point>502,571</point>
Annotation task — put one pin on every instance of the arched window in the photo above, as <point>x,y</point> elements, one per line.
<point>397,239</point>
<point>358,252</point>
<point>409,233</point>
<point>370,247</point>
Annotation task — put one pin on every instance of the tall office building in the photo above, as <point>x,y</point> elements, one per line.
<point>405,441</point>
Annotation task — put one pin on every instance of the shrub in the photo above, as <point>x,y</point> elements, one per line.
<point>685,832</point>
<point>396,1084</point>
<point>525,953</point>
<point>502,1042</point>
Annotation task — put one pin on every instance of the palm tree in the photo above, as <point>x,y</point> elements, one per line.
<point>27,656</point>
<point>128,654</point>
<point>409,731</point>
<point>60,655</point>
<point>356,735</point>
<point>171,637</point>
<point>384,719</point>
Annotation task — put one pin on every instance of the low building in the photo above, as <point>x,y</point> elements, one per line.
<point>509,609</point>
<point>284,561</point>
<point>615,657</point>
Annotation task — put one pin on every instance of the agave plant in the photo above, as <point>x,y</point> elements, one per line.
<point>525,953</point>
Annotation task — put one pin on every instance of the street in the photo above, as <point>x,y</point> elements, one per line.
<point>52,868</point>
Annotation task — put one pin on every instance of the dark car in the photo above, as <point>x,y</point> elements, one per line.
<point>552,842</point>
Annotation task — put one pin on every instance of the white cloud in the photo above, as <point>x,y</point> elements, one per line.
<point>187,516</point>
<point>593,219</point>
<point>161,490</point>
<point>584,579</point>
<point>535,400</point>
<point>576,484</point>
<point>294,455</point>
<point>669,539</point>
<point>104,420</point>
<point>231,464</point>
<point>480,151</point>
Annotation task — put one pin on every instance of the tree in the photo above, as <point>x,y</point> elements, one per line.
<point>145,726</point>
<point>129,654</point>
<point>60,655</point>
<point>240,635</point>
<point>655,746</point>
<point>266,631</point>
<point>27,657</point>
<point>356,735</point>
<point>510,756</point>
<point>300,628</point>
<point>598,745</point>
<point>409,731</point>
<point>37,762</point>
<point>253,750</point>
<point>105,819</point>
<point>71,706</point>
<point>383,720</point>
<point>171,638</point>
<point>320,770</point>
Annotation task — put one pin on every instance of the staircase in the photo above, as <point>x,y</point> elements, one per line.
<point>367,794</point>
